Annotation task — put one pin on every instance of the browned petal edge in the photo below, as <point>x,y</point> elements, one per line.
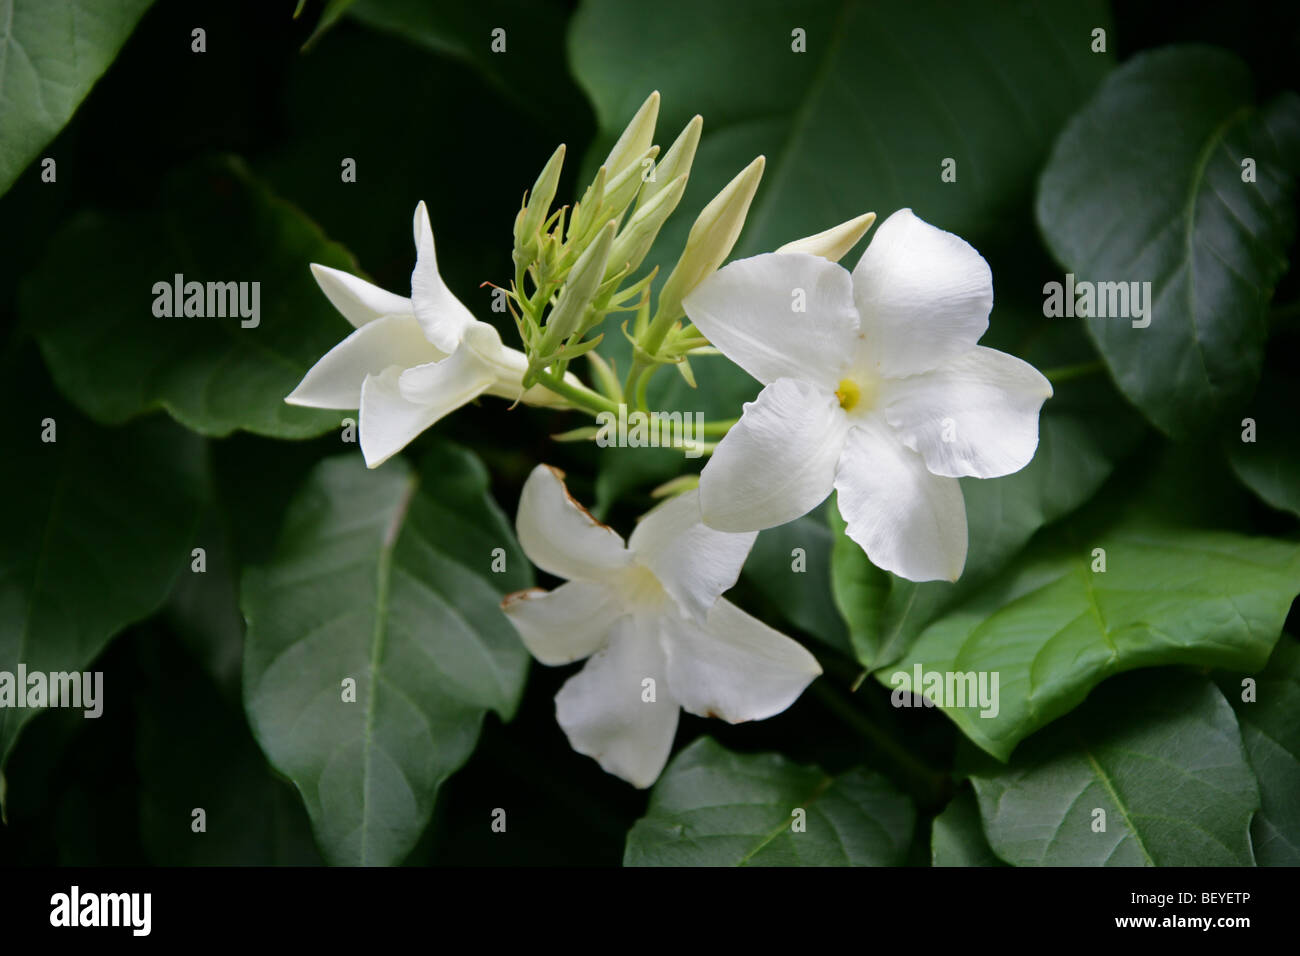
<point>574,501</point>
<point>515,597</point>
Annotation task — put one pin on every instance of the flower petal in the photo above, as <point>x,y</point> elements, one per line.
<point>359,301</point>
<point>735,667</point>
<point>693,562</point>
<point>390,419</point>
<point>442,316</point>
<point>604,715</point>
<point>977,415</point>
<point>564,625</point>
<point>560,536</point>
<point>778,462</point>
<point>747,310</point>
<point>908,521</point>
<point>923,296</point>
<point>335,381</point>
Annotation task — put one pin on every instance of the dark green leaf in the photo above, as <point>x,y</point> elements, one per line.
<point>91,304</point>
<point>529,70</point>
<point>713,807</point>
<point>1269,464</point>
<point>383,578</point>
<point>97,524</point>
<point>51,54</point>
<point>1159,753</point>
<point>1146,185</point>
<point>1271,731</point>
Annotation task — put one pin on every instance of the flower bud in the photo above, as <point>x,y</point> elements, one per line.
<point>836,241</point>
<point>539,200</point>
<point>584,212</point>
<point>636,138</point>
<point>579,289</point>
<point>622,189</point>
<point>635,241</point>
<point>710,240</point>
<point>676,162</point>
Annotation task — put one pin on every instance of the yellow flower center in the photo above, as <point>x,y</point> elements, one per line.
<point>853,393</point>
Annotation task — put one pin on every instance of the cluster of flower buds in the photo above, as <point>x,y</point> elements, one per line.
<point>571,265</point>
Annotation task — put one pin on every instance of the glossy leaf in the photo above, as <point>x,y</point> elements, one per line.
<point>1159,753</point>
<point>51,54</point>
<point>1054,625</point>
<point>1272,735</point>
<point>1148,184</point>
<point>383,579</point>
<point>1269,462</point>
<point>713,807</point>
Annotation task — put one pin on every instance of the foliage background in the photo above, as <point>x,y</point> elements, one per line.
<point>411,92</point>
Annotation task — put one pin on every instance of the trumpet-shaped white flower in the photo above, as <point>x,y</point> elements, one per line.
<point>876,388</point>
<point>410,361</point>
<point>649,616</point>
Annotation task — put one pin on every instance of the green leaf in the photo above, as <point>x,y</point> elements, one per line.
<point>957,836</point>
<point>1270,464</point>
<point>385,578</point>
<point>1051,627</point>
<point>1084,430</point>
<point>97,524</point>
<point>861,121</point>
<point>112,356</point>
<point>1272,736</point>
<point>51,54</point>
<point>713,807</point>
<point>529,70</point>
<point>1160,753</point>
<point>1146,184</point>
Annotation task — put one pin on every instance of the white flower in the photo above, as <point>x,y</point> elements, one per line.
<point>410,361</point>
<point>877,389</point>
<point>648,610</point>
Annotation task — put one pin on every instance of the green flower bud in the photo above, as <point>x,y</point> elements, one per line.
<point>579,290</point>
<point>676,162</point>
<point>709,243</point>
<point>623,188</point>
<point>637,237</point>
<point>540,199</point>
<point>636,138</point>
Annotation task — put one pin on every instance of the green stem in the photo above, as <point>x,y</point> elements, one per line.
<point>1065,373</point>
<point>579,395</point>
